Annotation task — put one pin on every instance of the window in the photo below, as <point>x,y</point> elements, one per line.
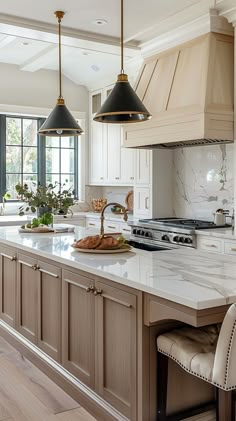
<point>29,158</point>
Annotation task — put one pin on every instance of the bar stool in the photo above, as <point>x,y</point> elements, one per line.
<point>208,353</point>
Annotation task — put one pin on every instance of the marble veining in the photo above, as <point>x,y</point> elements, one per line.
<point>203,180</point>
<point>187,276</point>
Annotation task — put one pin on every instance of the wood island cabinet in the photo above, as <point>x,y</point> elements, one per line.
<point>115,330</point>
<point>39,304</point>
<point>97,320</point>
<point>27,286</point>
<point>78,326</point>
<point>8,285</point>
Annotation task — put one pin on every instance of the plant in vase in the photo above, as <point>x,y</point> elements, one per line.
<point>47,201</point>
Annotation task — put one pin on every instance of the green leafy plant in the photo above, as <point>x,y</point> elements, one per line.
<point>50,199</point>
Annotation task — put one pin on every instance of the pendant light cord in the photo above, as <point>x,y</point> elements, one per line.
<point>59,32</point>
<point>59,15</point>
<point>122,35</point>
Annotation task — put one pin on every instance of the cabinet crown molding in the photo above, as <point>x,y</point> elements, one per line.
<point>212,21</point>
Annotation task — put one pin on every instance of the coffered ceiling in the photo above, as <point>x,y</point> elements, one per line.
<point>28,33</point>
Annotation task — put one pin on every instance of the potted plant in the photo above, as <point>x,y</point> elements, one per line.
<point>47,201</point>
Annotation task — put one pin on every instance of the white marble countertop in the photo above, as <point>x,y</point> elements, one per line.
<point>13,220</point>
<point>197,279</point>
<point>224,233</point>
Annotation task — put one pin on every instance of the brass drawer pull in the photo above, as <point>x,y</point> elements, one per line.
<point>233,249</point>
<point>76,284</point>
<point>131,178</point>
<point>211,245</point>
<point>91,225</point>
<point>110,226</point>
<point>98,291</point>
<point>91,288</point>
<point>117,178</point>
<point>26,264</point>
<point>12,258</point>
<point>47,273</point>
<point>126,229</point>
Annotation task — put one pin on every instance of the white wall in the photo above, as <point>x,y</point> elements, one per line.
<point>38,89</point>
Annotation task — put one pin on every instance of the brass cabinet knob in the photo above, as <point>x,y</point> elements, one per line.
<point>90,288</point>
<point>14,258</point>
<point>35,267</point>
<point>98,291</point>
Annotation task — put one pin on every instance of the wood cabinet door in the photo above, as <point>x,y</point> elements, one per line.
<point>27,299</point>
<point>8,285</point>
<point>115,330</point>
<point>78,326</point>
<point>49,309</point>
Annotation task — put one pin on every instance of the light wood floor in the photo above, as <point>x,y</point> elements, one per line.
<point>26,394</point>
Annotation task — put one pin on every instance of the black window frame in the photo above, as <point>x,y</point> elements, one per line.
<point>41,155</point>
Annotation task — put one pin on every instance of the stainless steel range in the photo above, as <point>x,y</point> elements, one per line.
<point>172,231</point>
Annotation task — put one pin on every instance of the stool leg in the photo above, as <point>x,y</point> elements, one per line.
<point>162,381</point>
<point>224,406</point>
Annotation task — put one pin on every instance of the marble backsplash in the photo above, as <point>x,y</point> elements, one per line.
<point>203,180</point>
<point>112,194</point>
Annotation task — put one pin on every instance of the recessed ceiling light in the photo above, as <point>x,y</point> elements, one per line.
<point>24,43</point>
<point>100,22</point>
<point>95,68</point>
<point>85,53</point>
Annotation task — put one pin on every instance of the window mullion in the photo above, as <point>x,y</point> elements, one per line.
<point>3,136</point>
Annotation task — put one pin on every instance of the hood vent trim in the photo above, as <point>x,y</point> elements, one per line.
<point>187,143</point>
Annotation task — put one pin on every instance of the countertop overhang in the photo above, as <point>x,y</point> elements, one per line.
<point>190,277</point>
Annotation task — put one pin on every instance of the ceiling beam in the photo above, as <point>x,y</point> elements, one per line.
<point>39,60</point>
<point>41,31</point>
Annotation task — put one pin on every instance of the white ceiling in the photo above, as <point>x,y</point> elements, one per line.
<point>28,33</point>
<point>80,15</point>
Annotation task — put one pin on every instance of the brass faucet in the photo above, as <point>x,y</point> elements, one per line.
<point>103,210</point>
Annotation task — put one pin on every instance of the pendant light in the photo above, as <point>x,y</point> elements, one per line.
<point>60,122</point>
<point>123,105</point>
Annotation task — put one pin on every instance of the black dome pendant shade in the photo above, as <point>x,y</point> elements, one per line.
<point>60,121</point>
<point>123,104</point>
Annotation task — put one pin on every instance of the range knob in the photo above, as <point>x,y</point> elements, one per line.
<point>147,234</point>
<point>134,231</point>
<point>165,238</point>
<point>140,232</point>
<point>188,240</point>
<point>176,238</point>
<point>181,239</point>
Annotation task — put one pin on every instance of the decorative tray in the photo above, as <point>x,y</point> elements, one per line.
<point>94,251</point>
<point>40,230</point>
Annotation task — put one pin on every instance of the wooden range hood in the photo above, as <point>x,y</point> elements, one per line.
<point>189,90</point>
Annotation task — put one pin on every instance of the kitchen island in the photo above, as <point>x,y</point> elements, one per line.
<point>90,321</point>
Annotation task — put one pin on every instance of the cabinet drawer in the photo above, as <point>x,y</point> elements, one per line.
<point>111,226</point>
<point>230,247</point>
<point>125,229</point>
<point>215,246</point>
<point>93,223</point>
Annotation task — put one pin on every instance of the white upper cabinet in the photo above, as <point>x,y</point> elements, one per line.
<point>110,164</point>
<point>96,99</point>
<point>143,166</point>
<point>113,133</point>
<point>97,155</point>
